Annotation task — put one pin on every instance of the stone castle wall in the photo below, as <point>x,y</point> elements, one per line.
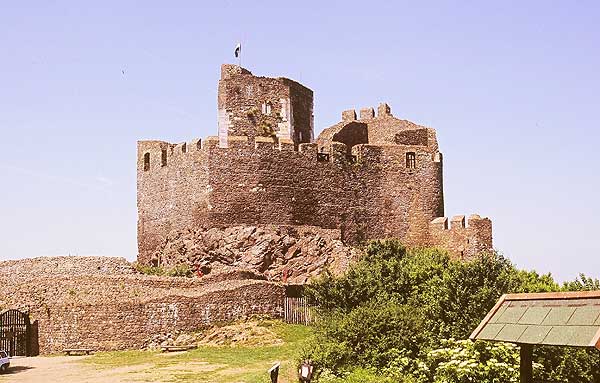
<point>85,302</point>
<point>461,240</point>
<point>371,195</point>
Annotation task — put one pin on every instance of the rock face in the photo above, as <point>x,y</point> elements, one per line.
<point>288,254</point>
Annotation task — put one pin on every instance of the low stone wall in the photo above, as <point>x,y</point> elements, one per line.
<point>115,311</point>
<point>66,265</point>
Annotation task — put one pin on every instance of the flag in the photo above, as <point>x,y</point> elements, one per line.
<point>238,50</point>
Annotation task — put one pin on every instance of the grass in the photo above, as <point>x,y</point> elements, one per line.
<point>215,364</point>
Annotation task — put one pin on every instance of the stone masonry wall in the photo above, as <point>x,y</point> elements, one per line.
<point>255,106</point>
<point>372,196</point>
<point>108,310</point>
<point>461,240</point>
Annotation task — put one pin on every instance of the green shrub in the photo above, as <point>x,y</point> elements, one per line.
<point>373,335</point>
<point>359,375</point>
<point>181,270</point>
<point>388,314</point>
<point>466,361</point>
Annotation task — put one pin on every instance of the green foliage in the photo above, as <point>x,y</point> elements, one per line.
<point>452,295</point>
<point>265,129</point>
<point>386,271</point>
<point>371,335</point>
<point>359,375</point>
<point>563,364</point>
<point>181,270</point>
<point>391,311</point>
<point>466,361</point>
<point>582,283</point>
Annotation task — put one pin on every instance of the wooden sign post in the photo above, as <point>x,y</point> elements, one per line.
<point>274,372</point>
<point>526,369</point>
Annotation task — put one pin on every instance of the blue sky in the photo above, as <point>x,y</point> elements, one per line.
<point>510,86</point>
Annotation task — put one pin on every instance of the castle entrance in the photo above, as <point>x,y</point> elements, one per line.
<point>15,333</point>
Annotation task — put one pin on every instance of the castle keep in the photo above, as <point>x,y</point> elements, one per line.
<point>370,176</point>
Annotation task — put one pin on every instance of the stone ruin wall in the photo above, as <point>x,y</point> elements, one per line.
<point>85,302</point>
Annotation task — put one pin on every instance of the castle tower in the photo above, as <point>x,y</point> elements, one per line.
<point>261,106</point>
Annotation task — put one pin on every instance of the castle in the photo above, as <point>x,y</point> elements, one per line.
<point>370,176</point>
<point>261,203</point>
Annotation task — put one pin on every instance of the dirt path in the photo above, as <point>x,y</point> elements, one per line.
<point>65,369</point>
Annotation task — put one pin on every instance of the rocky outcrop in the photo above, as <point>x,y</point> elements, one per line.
<point>281,253</point>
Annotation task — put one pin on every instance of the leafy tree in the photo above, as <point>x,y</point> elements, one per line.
<point>582,283</point>
<point>394,307</point>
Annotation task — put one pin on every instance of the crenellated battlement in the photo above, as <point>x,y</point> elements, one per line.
<point>153,155</point>
<point>383,111</point>
<point>463,241</point>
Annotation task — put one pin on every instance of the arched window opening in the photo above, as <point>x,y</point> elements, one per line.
<point>411,160</point>
<point>266,108</point>
<point>163,158</point>
<point>146,162</point>
<point>184,148</point>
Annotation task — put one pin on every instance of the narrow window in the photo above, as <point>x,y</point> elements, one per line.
<point>300,136</point>
<point>184,148</point>
<point>411,160</point>
<point>163,158</point>
<point>146,162</point>
<point>268,109</point>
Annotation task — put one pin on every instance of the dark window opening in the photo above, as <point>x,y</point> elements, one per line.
<point>266,108</point>
<point>184,148</point>
<point>163,159</point>
<point>322,157</point>
<point>146,162</point>
<point>411,160</point>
